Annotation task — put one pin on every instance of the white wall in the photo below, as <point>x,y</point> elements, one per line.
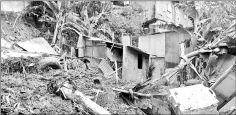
<point>153,44</point>
<point>13,6</point>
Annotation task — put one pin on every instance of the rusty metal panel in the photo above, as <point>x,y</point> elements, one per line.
<point>105,67</point>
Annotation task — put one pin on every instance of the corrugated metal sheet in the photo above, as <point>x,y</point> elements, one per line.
<point>105,67</point>
<point>39,45</point>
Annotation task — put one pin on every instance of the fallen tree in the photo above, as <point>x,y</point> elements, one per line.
<point>68,90</point>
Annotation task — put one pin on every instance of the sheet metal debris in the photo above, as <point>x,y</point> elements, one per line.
<point>106,68</point>
<point>39,45</point>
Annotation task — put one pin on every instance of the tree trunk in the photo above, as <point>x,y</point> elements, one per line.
<point>81,46</point>
<point>80,98</point>
<point>56,29</point>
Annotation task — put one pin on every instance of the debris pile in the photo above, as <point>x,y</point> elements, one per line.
<point>30,93</point>
<point>37,78</point>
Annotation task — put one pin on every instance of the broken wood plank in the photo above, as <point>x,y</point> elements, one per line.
<point>117,78</point>
<point>168,76</point>
<point>140,94</point>
<point>79,97</point>
<point>224,75</point>
<point>115,71</point>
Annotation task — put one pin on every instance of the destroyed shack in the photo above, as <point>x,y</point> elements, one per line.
<point>95,48</point>
<point>90,47</point>
<point>164,49</point>
<point>134,61</point>
<point>41,78</point>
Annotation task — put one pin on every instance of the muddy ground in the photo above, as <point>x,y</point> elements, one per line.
<point>27,93</point>
<point>16,30</point>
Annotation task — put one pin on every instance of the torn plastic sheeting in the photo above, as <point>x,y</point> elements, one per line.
<point>39,45</point>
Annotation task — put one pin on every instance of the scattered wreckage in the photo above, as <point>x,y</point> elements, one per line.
<point>205,94</point>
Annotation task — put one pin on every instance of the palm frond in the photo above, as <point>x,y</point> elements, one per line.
<point>53,6</point>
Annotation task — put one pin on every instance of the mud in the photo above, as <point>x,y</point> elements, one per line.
<point>19,31</point>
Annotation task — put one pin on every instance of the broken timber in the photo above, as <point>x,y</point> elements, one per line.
<point>77,96</point>
<point>140,94</point>
<point>167,76</point>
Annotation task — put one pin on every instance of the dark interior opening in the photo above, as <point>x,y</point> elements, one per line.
<point>140,60</point>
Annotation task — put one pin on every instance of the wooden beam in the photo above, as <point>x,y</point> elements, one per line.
<point>223,76</point>
<point>139,94</point>
<point>117,78</point>
<point>79,97</point>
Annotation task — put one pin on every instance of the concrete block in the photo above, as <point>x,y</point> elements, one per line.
<point>195,99</point>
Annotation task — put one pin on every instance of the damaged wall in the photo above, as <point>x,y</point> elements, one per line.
<point>172,52</point>
<point>95,49</point>
<point>115,54</point>
<point>153,44</point>
<point>159,63</point>
<point>165,48</point>
<point>134,68</point>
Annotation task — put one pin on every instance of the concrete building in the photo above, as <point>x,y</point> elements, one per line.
<point>95,48</point>
<point>135,62</point>
<point>164,49</point>
<point>163,11</point>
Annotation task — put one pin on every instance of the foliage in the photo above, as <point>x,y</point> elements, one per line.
<point>127,19</point>
<point>90,18</point>
<point>211,19</point>
<point>22,65</point>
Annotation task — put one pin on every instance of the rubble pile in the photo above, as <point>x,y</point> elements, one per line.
<point>21,65</point>
<point>28,94</point>
<point>36,79</point>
